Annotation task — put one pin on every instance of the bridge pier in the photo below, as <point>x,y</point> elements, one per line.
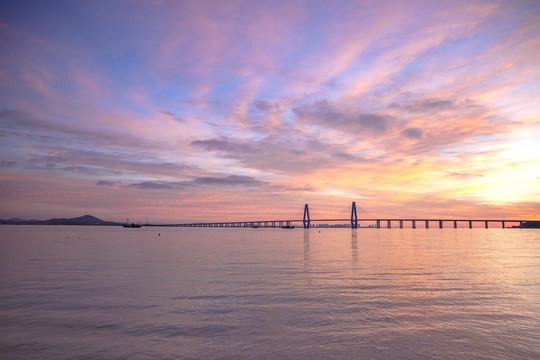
<point>486,224</point>
<point>455,224</point>
<point>306,217</point>
<point>470,224</point>
<point>440,224</point>
<point>427,224</point>
<point>414,224</point>
<point>401,224</point>
<point>354,216</point>
<point>389,224</point>
<point>378,224</point>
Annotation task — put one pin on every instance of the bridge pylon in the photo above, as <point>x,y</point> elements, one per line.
<point>354,216</point>
<point>306,220</point>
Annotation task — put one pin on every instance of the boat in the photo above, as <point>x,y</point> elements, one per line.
<point>132,225</point>
<point>288,227</point>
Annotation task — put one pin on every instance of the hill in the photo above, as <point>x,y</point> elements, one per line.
<point>81,220</point>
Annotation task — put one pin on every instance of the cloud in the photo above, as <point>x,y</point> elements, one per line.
<point>204,181</point>
<point>154,185</point>
<point>48,165</point>
<point>289,151</point>
<point>224,145</point>
<point>25,125</point>
<point>324,114</point>
<point>171,116</point>
<point>105,183</point>
<point>7,163</point>
<point>100,163</point>
<point>264,105</point>
<point>349,157</point>
<point>86,151</point>
<point>371,122</point>
<point>464,175</point>
<point>425,105</point>
<point>231,180</point>
<point>412,133</point>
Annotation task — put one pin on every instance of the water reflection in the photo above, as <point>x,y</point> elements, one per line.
<point>354,247</point>
<point>331,253</point>
<point>307,257</point>
<point>306,248</point>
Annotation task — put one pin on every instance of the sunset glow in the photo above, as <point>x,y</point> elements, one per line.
<point>179,111</point>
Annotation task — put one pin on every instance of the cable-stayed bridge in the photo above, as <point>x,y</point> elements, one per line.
<point>355,222</point>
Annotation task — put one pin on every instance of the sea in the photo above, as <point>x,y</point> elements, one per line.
<point>83,292</point>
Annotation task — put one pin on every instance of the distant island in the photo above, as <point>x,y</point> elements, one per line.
<point>81,220</point>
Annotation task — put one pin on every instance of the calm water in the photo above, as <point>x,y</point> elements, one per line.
<point>114,293</point>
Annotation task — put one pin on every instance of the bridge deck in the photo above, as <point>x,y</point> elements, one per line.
<point>377,223</point>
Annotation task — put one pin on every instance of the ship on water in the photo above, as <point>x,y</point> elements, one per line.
<point>131,224</point>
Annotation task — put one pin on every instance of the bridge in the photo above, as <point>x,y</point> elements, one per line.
<point>378,223</point>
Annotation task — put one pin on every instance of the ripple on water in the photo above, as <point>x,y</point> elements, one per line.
<point>236,293</point>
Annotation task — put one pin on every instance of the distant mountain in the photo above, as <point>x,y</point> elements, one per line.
<point>19,219</point>
<point>81,220</point>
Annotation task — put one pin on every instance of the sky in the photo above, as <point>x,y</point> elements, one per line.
<point>181,111</point>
